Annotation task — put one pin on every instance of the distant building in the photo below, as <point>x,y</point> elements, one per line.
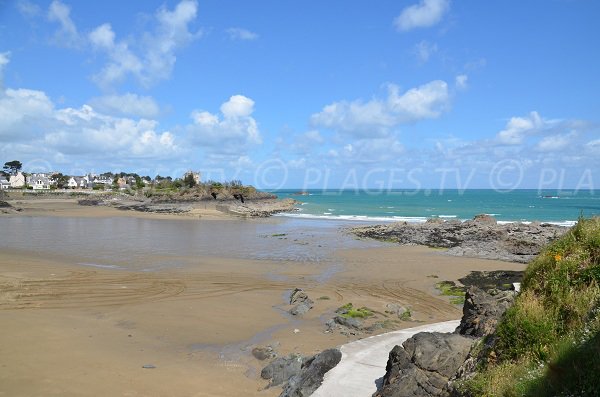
<point>4,183</point>
<point>39,181</point>
<point>195,175</point>
<point>122,183</point>
<point>17,181</point>
<point>78,182</point>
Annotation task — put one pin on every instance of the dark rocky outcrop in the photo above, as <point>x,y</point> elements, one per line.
<point>311,375</point>
<point>90,202</point>
<point>302,303</point>
<point>282,369</point>
<point>482,311</point>
<point>481,237</point>
<point>424,364</point>
<point>429,363</point>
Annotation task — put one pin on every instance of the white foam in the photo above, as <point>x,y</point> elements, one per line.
<point>360,218</point>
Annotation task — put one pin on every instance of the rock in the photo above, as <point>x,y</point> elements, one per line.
<point>89,202</point>
<point>148,366</point>
<point>301,308</point>
<point>264,353</point>
<point>4,204</point>
<point>349,322</point>
<point>281,369</point>
<point>301,300</point>
<point>312,373</point>
<point>485,218</point>
<point>297,296</point>
<point>424,365</point>
<point>394,308</point>
<point>482,311</point>
<point>481,237</point>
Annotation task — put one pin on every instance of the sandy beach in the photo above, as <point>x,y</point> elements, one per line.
<point>76,330</point>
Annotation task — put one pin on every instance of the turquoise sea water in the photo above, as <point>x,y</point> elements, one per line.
<point>562,207</point>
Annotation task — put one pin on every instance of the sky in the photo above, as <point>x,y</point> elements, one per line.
<point>315,94</point>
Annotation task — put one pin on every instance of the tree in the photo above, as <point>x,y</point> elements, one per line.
<point>189,180</point>
<point>61,180</point>
<point>13,167</point>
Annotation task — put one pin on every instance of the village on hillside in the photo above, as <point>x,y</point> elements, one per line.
<point>12,177</point>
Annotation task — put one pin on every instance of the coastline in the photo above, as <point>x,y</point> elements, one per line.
<point>197,323</point>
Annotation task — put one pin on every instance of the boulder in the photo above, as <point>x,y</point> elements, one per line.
<point>297,296</point>
<point>424,365</point>
<point>485,218</point>
<point>311,376</point>
<point>264,353</point>
<point>349,322</point>
<point>282,369</point>
<point>482,311</point>
<point>302,302</point>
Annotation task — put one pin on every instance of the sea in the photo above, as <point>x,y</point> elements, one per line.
<point>557,207</point>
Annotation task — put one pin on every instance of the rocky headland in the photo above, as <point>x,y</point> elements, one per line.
<point>251,207</point>
<point>482,237</point>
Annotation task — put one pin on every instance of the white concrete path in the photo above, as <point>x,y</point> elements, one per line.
<point>363,362</point>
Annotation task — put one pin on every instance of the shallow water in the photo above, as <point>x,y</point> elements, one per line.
<point>153,244</point>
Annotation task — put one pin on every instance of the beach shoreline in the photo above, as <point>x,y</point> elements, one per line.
<point>198,323</point>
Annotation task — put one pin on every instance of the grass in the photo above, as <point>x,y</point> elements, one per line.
<point>323,298</point>
<point>406,315</point>
<point>449,288</point>
<point>279,235</point>
<point>548,342</point>
<point>350,311</point>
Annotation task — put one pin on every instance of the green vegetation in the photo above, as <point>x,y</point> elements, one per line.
<point>323,298</point>
<point>12,167</point>
<point>548,342</point>
<point>449,288</point>
<point>406,315</point>
<point>350,311</point>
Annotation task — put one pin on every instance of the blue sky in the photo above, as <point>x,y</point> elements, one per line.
<point>353,94</point>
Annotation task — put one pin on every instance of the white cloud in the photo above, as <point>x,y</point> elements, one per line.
<point>424,50</point>
<point>22,113</point>
<point>307,142</point>
<point>554,143</point>
<point>127,104</point>
<point>461,81</point>
<point>426,13</point>
<point>375,117</point>
<point>149,58</point>
<point>518,128</point>
<point>67,35</point>
<point>28,9</point>
<point>593,147</point>
<point>4,60</point>
<point>237,106</point>
<point>233,134</point>
<point>369,151</point>
<point>30,124</point>
<point>241,34</point>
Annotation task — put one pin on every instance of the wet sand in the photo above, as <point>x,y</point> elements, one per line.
<point>71,330</point>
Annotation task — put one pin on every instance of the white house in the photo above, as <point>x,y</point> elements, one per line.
<point>77,182</point>
<point>17,181</point>
<point>4,183</point>
<point>39,181</point>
